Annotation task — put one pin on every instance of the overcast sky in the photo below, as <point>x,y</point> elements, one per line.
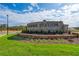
<point>23,13</point>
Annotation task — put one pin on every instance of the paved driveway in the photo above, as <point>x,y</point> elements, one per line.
<point>10,32</point>
<point>1,33</point>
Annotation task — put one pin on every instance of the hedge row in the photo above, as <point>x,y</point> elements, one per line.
<point>43,32</point>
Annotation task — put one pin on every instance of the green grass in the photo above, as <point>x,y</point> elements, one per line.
<point>9,47</point>
<point>75,30</point>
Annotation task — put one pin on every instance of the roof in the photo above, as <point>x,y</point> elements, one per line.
<point>45,22</point>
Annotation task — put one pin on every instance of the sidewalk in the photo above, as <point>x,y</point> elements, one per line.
<point>2,33</point>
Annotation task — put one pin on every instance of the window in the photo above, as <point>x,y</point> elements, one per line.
<point>41,24</point>
<point>56,24</point>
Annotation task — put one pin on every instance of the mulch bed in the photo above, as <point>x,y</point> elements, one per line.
<point>47,36</point>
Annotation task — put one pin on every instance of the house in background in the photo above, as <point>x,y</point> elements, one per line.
<point>47,26</point>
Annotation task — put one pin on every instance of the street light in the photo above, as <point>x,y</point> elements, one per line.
<point>7,24</point>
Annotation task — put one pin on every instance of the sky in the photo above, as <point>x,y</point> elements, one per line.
<point>23,13</point>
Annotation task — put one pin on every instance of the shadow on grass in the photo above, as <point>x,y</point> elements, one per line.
<point>16,37</point>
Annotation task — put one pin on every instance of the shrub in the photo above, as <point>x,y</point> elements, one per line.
<point>60,32</point>
<point>49,32</point>
<point>71,41</point>
<point>24,31</point>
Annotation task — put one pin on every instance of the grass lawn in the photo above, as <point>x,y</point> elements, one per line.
<point>75,30</point>
<point>10,47</point>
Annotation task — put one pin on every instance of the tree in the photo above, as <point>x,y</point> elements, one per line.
<point>2,27</point>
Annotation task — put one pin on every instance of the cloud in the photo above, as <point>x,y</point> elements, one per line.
<point>14,4</point>
<point>63,14</point>
<point>35,5</point>
<point>30,8</point>
<point>69,16</point>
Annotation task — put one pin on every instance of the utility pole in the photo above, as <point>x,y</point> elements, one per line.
<point>7,24</point>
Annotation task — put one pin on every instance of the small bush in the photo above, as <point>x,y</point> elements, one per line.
<point>71,41</point>
<point>24,31</point>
